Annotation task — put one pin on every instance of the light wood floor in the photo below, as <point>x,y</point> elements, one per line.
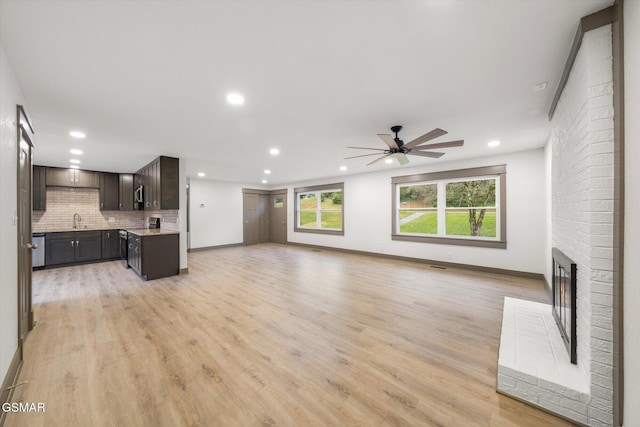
<point>271,335</point>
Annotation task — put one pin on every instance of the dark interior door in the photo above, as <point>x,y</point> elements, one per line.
<point>251,225</point>
<point>25,246</point>
<point>278,208</point>
<point>263,218</point>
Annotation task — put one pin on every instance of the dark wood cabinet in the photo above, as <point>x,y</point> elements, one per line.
<point>110,244</point>
<point>109,191</point>
<point>60,177</point>
<point>39,189</point>
<point>88,245</point>
<point>153,257</point>
<point>160,180</point>
<point>72,246</point>
<point>87,179</point>
<point>125,193</point>
<point>60,248</point>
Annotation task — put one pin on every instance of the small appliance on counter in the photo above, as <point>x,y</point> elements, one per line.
<point>154,222</point>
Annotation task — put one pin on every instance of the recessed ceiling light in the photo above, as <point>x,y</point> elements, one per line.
<point>267,171</point>
<point>493,143</point>
<point>343,168</point>
<point>75,151</point>
<point>74,166</point>
<point>235,99</point>
<point>540,86</point>
<point>200,173</point>
<point>274,151</point>
<point>77,134</point>
<point>388,161</point>
<point>76,161</point>
<point>264,181</point>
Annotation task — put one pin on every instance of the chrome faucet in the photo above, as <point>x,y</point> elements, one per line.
<point>76,220</point>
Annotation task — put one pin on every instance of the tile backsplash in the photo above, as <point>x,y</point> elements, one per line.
<point>63,203</point>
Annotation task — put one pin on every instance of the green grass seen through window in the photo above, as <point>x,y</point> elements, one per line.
<point>457,223</point>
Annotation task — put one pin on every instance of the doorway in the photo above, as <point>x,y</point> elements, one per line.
<point>264,216</point>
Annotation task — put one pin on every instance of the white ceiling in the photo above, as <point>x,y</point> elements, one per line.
<point>145,78</point>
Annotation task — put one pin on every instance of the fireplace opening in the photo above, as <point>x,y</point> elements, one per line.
<point>564,300</point>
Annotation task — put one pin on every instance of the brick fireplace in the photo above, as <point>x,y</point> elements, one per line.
<point>581,152</point>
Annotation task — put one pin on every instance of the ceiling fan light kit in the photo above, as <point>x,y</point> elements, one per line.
<point>399,150</point>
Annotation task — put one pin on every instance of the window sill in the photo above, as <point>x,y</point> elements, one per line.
<point>319,231</point>
<point>494,244</point>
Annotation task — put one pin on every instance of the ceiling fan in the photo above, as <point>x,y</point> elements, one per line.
<point>399,150</point>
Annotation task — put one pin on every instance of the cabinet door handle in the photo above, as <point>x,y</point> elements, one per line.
<point>101,205</point>
<point>120,205</point>
<point>108,236</point>
<point>77,243</point>
<point>72,243</point>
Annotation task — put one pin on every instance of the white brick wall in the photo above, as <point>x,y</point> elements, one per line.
<point>582,209</point>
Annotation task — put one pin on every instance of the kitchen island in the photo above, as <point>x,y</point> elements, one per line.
<point>154,253</point>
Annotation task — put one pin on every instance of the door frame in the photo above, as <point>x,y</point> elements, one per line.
<point>24,132</point>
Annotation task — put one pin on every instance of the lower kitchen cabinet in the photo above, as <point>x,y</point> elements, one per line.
<point>153,257</point>
<point>72,246</point>
<point>110,244</point>
<point>60,248</point>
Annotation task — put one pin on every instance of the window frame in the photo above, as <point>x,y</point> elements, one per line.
<point>498,171</point>
<point>317,189</point>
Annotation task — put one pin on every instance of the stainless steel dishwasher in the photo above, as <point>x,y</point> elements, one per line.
<point>38,253</point>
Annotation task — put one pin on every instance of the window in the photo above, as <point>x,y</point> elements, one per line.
<point>462,207</point>
<point>319,209</point>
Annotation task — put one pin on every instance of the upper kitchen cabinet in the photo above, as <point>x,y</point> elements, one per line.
<point>126,183</point>
<point>160,180</point>
<point>39,189</point>
<point>60,177</point>
<point>109,191</point>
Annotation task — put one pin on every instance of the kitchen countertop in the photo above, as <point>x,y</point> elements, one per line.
<point>152,232</point>
<point>136,231</point>
<point>65,230</point>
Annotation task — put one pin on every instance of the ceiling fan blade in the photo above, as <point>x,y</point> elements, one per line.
<point>458,143</point>
<point>362,155</point>
<point>365,148</point>
<point>402,158</point>
<point>426,137</point>
<point>432,154</point>
<point>378,159</point>
<point>388,139</point>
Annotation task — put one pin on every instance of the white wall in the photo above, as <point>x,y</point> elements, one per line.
<point>367,210</point>
<point>10,95</point>
<point>182,213</point>
<point>548,153</point>
<point>632,212</point>
<point>215,210</point>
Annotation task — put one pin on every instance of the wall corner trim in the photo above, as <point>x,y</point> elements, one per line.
<point>587,23</point>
